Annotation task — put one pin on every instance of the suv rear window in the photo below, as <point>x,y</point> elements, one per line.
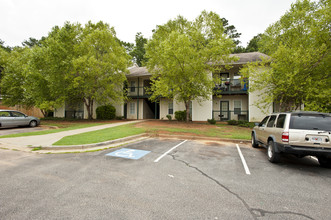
<point>310,122</point>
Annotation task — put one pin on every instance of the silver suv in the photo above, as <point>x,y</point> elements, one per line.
<point>298,133</point>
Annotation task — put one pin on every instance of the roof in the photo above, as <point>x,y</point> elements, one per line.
<point>248,57</point>
<point>138,71</point>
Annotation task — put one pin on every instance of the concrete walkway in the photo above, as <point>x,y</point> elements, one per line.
<point>47,140</point>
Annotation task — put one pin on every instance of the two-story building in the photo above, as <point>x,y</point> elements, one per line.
<point>231,99</point>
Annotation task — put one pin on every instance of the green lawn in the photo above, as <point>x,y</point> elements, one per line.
<point>101,135</point>
<point>222,131</point>
<point>50,131</point>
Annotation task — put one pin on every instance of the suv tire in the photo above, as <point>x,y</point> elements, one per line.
<point>324,161</point>
<point>254,142</point>
<point>273,156</point>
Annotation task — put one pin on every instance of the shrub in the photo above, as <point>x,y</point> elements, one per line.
<point>180,115</point>
<point>211,121</point>
<point>169,117</point>
<point>232,122</point>
<point>106,112</point>
<point>241,123</point>
<point>119,117</point>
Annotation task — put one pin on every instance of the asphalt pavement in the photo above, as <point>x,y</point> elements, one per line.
<point>173,179</point>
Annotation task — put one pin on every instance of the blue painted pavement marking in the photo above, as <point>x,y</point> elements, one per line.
<point>129,153</point>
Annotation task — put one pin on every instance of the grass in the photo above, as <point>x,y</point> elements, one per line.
<point>51,131</point>
<point>101,135</point>
<point>221,131</point>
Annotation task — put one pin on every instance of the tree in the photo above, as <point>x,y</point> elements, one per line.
<point>299,47</point>
<point>32,42</point>
<point>138,52</point>
<point>231,31</point>
<point>253,44</point>
<point>99,70</point>
<point>182,54</point>
<point>72,63</point>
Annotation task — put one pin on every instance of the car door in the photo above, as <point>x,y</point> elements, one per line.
<point>5,119</point>
<point>19,119</point>
<point>260,129</point>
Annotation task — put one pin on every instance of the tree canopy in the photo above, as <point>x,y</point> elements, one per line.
<point>72,63</point>
<point>299,47</point>
<point>138,52</point>
<point>180,55</point>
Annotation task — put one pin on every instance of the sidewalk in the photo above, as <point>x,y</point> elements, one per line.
<point>46,141</point>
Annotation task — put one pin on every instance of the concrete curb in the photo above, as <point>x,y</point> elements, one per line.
<point>125,139</point>
<point>88,146</point>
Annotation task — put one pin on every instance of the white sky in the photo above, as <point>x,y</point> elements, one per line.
<point>21,19</point>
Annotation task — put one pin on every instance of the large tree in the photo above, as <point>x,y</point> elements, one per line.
<point>72,63</point>
<point>182,54</point>
<point>138,52</point>
<point>299,46</point>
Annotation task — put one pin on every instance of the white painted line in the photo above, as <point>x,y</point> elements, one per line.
<point>243,161</point>
<point>157,160</point>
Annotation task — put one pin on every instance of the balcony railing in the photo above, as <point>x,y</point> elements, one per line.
<point>232,86</point>
<point>138,92</point>
<point>220,115</point>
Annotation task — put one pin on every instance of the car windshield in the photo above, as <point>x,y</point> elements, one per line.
<point>311,122</point>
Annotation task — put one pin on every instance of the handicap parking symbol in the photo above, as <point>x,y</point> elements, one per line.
<point>129,153</point>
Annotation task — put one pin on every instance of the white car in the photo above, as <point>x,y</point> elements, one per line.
<point>11,118</point>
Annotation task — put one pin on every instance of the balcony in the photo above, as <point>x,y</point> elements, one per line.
<point>138,92</point>
<point>231,86</point>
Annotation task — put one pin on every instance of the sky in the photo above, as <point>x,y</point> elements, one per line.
<point>22,19</point>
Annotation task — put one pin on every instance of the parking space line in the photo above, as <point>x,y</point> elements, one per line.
<point>243,161</point>
<point>157,160</point>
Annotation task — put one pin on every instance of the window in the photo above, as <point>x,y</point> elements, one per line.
<point>237,107</point>
<point>133,86</point>
<point>271,121</point>
<point>4,114</point>
<point>132,108</point>
<point>281,121</point>
<point>170,108</point>
<point>310,122</point>
<point>264,122</point>
<point>17,114</point>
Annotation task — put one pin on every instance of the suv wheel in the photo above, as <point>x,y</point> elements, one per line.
<point>324,161</point>
<point>273,156</point>
<point>254,143</point>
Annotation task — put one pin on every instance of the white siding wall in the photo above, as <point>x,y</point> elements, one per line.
<point>59,112</point>
<point>202,111</point>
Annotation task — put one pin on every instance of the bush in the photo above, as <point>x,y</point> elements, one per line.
<point>169,117</point>
<point>241,123</point>
<point>232,122</point>
<point>119,117</point>
<point>211,121</point>
<point>180,115</point>
<point>106,112</point>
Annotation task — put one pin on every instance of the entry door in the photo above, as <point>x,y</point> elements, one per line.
<point>224,110</point>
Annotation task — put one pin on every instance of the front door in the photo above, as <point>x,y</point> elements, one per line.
<point>224,110</point>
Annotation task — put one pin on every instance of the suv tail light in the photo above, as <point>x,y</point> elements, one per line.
<point>285,136</point>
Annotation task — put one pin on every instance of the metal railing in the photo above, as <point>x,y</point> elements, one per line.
<point>74,114</point>
<point>232,86</point>
<point>138,91</point>
<point>220,115</point>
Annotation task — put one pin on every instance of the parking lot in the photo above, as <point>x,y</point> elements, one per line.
<point>172,179</point>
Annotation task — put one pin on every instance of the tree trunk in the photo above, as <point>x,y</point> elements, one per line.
<point>187,107</point>
<point>89,105</point>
